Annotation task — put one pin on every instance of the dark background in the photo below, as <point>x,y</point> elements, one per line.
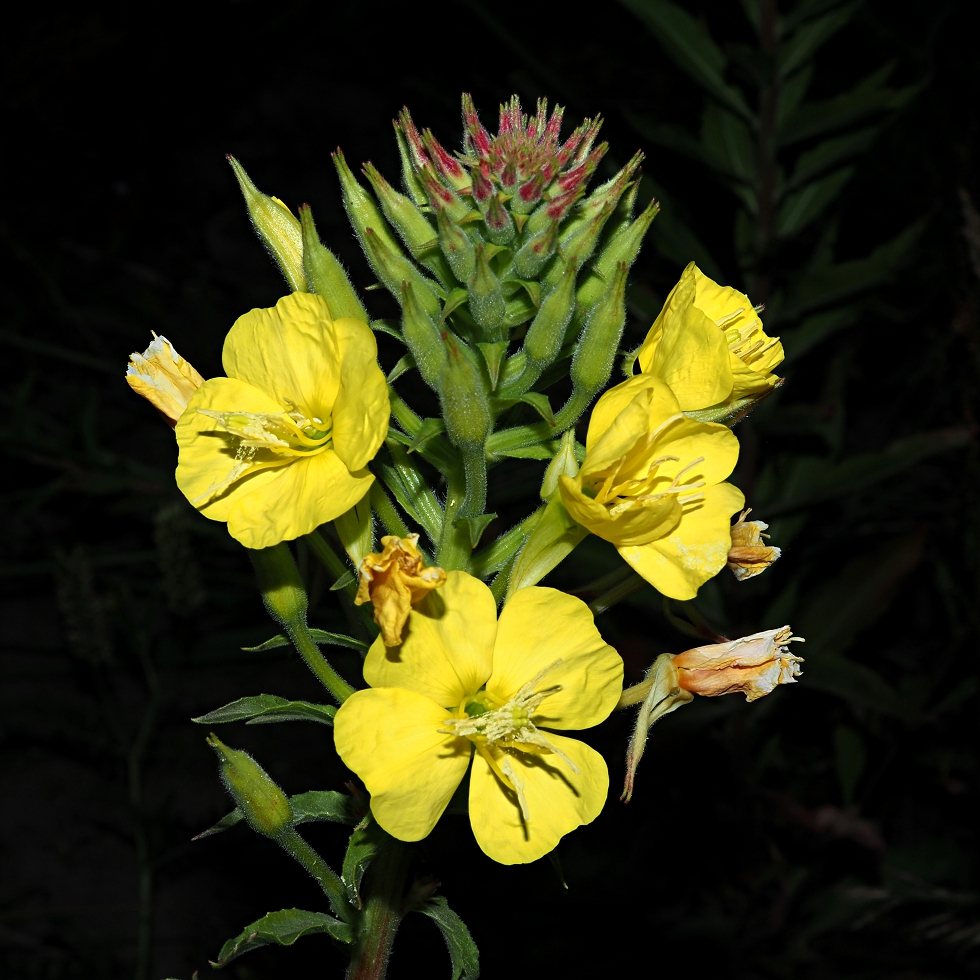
<point>829,830</point>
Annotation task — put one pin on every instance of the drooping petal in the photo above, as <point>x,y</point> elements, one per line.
<point>290,352</point>
<point>750,382</point>
<point>540,626</point>
<point>612,402</point>
<point>391,739</point>
<point>309,492</point>
<point>447,644</point>
<point>208,459</point>
<point>361,409</point>
<point>678,564</point>
<point>558,800</point>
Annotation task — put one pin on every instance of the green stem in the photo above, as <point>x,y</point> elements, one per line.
<point>616,594</point>
<point>328,879</point>
<point>382,912</point>
<point>385,510</point>
<point>306,647</point>
<point>454,549</point>
<point>475,469</point>
<point>501,551</point>
<point>331,561</point>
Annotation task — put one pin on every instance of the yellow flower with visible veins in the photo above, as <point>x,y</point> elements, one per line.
<point>281,445</point>
<point>463,681</point>
<point>708,344</point>
<point>652,485</point>
<point>163,378</point>
<point>394,581</point>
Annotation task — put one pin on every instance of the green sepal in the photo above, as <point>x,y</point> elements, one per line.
<point>540,403</point>
<point>421,334</point>
<point>429,429</point>
<point>475,526</point>
<point>456,246</point>
<point>386,326</point>
<point>393,268</point>
<point>493,355</point>
<point>282,929</point>
<point>319,636</point>
<point>325,275</point>
<point>411,183</point>
<point>453,302</point>
<point>534,254</point>
<point>263,709</point>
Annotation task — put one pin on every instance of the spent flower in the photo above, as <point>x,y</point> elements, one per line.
<point>749,554</point>
<point>164,378</point>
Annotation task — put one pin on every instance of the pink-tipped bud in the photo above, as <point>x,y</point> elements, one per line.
<point>416,146</point>
<point>447,165</point>
<point>482,186</point>
<point>478,139</point>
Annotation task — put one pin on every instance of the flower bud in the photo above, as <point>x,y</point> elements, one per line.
<point>749,555</point>
<point>411,183</point>
<point>326,275</point>
<point>465,409</point>
<point>394,581</point>
<point>448,166</point>
<point>754,665</point>
<point>593,359</point>
<point>422,336</point>
<point>275,224</point>
<point>456,246</point>
<point>362,211</point>
<point>392,268</point>
<point>263,804</point>
<point>500,225</point>
<point>486,298</point>
<point>163,378</point>
<point>544,337</point>
<point>535,252</point>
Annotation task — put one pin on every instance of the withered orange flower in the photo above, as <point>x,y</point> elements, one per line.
<point>749,554</point>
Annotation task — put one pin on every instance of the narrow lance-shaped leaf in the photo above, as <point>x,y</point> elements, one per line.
<point>281,929</point>
<point>463,954</point>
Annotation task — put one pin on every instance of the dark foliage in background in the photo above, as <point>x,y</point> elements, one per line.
<point>829,830</point>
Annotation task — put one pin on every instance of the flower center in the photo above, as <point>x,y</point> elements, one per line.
<point>508,727</point>
<point>745,337</point>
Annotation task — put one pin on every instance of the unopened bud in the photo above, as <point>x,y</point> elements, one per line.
<point>361,209</point>
<point>392,268</point>
<point>579,242</point>
<point>564,463</point>
<point>448,166</point>
<point>486,298</point>
<point>465,409</point>
<point>544,337</point>
<point>410,181</point>
<point>456,246</point>
<point>263,804</point>
<point>532,256</point>
<point>500,225</point>
<point>276,226</point>
<point>749,554</point>
<point>163,378</point>
<point>326,275</point>
<point>593,359</point>
<point>422,336</point>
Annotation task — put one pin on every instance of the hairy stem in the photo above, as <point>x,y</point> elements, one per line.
<point>328,879</point>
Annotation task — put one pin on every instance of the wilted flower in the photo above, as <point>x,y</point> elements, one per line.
<point>464,685</point>
<point>394,581</point>
<point>282,444</point>
<point>749,555</point>
<point>652,485</point>
<point>708,344</point>
<point>163,378</point>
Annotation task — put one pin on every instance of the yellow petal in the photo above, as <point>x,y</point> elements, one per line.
<point>637,524</point>
<point>540,626</point>
<point>164,378</point>
<point>608,407</point>
<point>308,492</point>
<point>750,382</point>
<point>391,739</point>
<point>678,564</point>
<point>290,352</point>
<point>558,800</point>
<point>208,452</point>
<point>447,644</point>
<point>361,410</point>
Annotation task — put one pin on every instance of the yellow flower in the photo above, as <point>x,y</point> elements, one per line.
<point>394,581</point>
<point>754,665</point>
<point>749,555</point>
<point>163,378</point>
<point>652,485</point>
<point>461,681</point>
<point>281,445</point>
<point>709,346</point>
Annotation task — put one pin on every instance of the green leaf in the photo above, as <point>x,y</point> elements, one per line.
<point>791,95</point>
<point>541,404</point>
<point>282,929</point>
<point>811,36</point>
<point>402,477</point>
<point>690,46</point>
<point>267,708</point>
<point>729,140</point>
<point>386,326</point>
<point>455,300</point>
<point>553,539</point>
<point>348,578</point>
<point>325,805</point>
<point>405,363</point>
<point>475,526</point>
<point>463,954</point>
<point>428,429</point>
<point>803,206</point>
<point>225,823</point>
<point>361,849</point>
<point>533,290</point>
<point>829,153</point>
<point>319,636</point>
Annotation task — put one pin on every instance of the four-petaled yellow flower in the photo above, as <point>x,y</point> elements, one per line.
<point>463,681</point>
<point>709,346</point>
<point>164,378</point>
<point>281,444</point>
<point>394,581</point>
<point>652,485</point>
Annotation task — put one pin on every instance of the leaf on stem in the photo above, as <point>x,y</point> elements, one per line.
<point>282,929</point>
<point>463,954</point>
<point>267,708</point>
<point>319,637</point>
<point>361,849</point>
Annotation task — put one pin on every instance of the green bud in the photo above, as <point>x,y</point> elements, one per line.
<point>392,268</point>
<point>456,246</point>
<point>564,463</point>
<point>604,196</point>
<point>499,224</point>
<point>325,275</point>
<point>422,336</point>
<point>412,226</point>
<point>544,336</point>
<point>622,247</point>
<point>535,252</point>
<point>578,244</point>
<point>486,298</point>
<point>593,359</point>
<point>465,408</point>
<point>360,207</point>
<point>280,584</point>
<point>276,226</point>
<point>411,183</point>
<point>264,805</point>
